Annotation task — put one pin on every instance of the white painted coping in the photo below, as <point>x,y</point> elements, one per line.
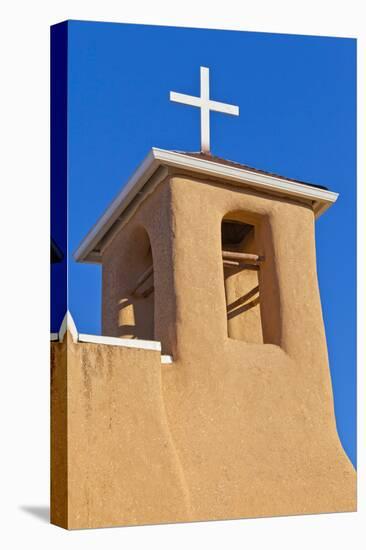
<point>123,342</point>
<point>69,324</point>
<point>166,359</point>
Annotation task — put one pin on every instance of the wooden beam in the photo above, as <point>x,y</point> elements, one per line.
<point>230,263</point>
<point>145,293</point>
<point>146,274</point>
<point>240,256</point>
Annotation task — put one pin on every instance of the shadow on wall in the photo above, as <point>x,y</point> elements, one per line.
<point>233,309</point>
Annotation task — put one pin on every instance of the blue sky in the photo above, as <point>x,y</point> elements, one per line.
<point>297,98</point>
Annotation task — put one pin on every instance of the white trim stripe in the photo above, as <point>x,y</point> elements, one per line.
<point>122,342</point>
<point>69,324</point>
<point>166,359</point>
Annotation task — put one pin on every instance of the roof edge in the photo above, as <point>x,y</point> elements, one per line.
<point>120,202</point>
<point>156,157</point>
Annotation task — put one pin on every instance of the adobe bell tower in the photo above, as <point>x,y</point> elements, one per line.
<point>216,260</point>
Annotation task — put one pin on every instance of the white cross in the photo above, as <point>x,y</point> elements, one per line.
<point>206,105</point>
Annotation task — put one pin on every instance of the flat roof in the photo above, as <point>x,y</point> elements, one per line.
<point>204,164</point>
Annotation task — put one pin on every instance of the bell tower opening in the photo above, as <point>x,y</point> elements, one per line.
<point>136,307</point>
<point>241,264</point>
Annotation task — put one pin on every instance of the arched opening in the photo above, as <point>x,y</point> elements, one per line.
<point>241,264</point>
<point>136,308</point>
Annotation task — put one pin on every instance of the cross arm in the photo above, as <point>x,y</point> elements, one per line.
<point>224,108</point>
<point>186,99</point>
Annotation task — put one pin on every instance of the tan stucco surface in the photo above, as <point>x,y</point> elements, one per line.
<point>122,466</point>
<point>232,428</point>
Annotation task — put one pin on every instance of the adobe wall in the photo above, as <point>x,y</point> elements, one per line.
<point>118,465</point>
<point>231,429</point>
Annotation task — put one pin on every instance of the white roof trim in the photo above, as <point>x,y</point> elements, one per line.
<point>322,198</point>
<point>118,205</point>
